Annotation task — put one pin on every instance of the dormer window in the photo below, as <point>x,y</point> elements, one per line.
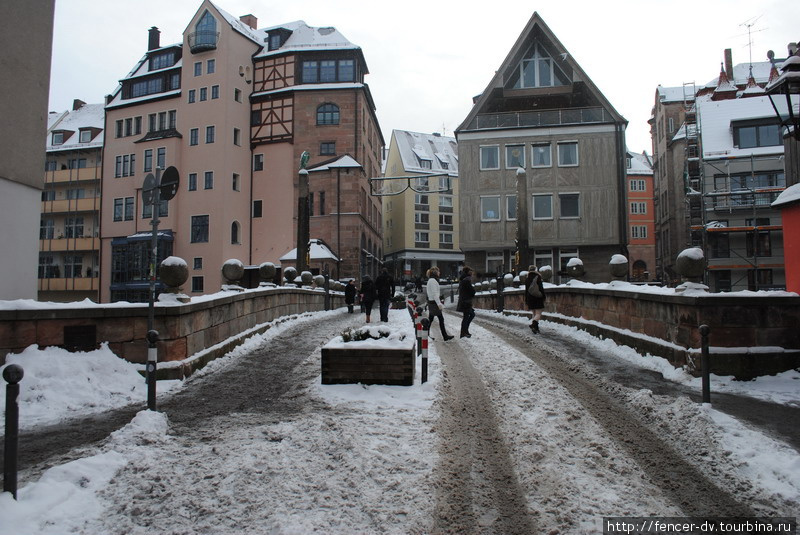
<point>58,138</point>
<point>86,136</point>
<point>205,35</point>
<point>162,61</point>
<point>537,68</point>
<point>274,41</point>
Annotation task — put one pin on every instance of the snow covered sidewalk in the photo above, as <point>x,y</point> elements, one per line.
<point>356,459</point>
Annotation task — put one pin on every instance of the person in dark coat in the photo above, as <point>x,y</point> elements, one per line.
<point>384,285</point>
<point>535,296</point>
<point>368,294</point>
<point>350,295</point>
<point>466,291</point>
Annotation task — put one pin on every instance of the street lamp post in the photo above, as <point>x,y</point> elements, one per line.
<point>303,232</point>
<point>522,220</point>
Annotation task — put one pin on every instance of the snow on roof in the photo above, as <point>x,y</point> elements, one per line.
<point>440,151</point>
<point>640,164</point>
<point>87,116</point>
<point>787,196</point>
<point>257,36</point>
<point>343,162</point>
<point>717,116</point>
<point>695,253</point>
<point>674,94</point>
<point>741,72</point>
<point>305,37</point>
<point>317,251</point>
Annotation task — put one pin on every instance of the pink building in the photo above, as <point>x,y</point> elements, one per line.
<point>232,107</point>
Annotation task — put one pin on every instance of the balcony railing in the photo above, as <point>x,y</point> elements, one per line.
<point>90,204</point>
<point>203,40</point>
<point>527,119</point>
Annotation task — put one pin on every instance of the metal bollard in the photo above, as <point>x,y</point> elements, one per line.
<point>500,295</point>
<point>418,329</point>
<point>152,360</point>
<point>705,365</point>
<point>13,375</point>
<point>426,324</point>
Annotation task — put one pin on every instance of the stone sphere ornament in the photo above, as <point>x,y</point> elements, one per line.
<point>691,264</point>
<point>173,271</point>
<point>618,266</point>
<point>267,271</point>
<point>546,272</point>
<point>290,274</point>
<point>307,278</point>
<point>232,271</point>
<point>575,268</point>
<point>319,281</point>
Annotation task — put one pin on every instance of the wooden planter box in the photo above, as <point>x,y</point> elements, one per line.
<point>368,365</point>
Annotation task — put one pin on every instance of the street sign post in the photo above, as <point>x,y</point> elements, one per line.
<point>158,187</point>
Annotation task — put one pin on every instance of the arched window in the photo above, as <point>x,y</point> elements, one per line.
<point>235,232</point>
<point>328,114</point>
<point>205,34</point>
<point>639,270</point>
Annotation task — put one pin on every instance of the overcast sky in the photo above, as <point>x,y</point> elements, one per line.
<point>427,59</point>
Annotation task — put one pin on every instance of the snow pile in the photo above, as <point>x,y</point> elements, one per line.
<point>58,384</point>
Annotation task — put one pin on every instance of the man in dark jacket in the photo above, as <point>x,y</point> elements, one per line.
<point>466,291</point>
<point>350,295</point>
<point>384,285</point>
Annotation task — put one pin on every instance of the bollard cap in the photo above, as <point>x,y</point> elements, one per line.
<point>704,330</point>
<point>152,336</point>
<point>425,322</point>
<point>13,373</point>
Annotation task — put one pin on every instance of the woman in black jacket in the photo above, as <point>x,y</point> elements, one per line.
<point>368,294</point>
<point>466,291</point>
<point>350,295</point>
<point>535,296</point>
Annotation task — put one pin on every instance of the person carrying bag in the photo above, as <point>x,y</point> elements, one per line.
<point>535,297</point>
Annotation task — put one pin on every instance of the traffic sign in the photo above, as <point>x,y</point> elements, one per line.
<point>169,183</point>
<point>149,189</point>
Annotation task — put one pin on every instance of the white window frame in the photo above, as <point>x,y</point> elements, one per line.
<point>445,201</point>
<point>480,153</point>
<point>577,153</point>
<point>522,155</point>
<point>533,206</point>
<point>486,198</point>
<point>638,207</point>
<point>446,237</point>
<point>638,232</point>
<point>419,234</point>
<point>549,155</point>
<point>560,211</point>
<point>508,207</point>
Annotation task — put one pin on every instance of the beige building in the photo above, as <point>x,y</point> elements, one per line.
<point>69,233</point>
<point>27,40</point>
<point>420,225</point>
<point>542,113</point>
<point>232,108</point>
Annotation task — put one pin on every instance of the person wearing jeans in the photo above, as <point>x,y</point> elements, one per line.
<point>435,303</point>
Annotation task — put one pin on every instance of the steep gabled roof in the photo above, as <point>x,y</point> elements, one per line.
<point>537,24</point>
<point>415,147</point>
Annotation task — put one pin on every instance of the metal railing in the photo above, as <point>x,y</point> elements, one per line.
<point>522,119</point>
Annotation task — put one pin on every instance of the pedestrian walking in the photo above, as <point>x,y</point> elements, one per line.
<point>535,296</point>
<point>367,294</point>
<point>350,295</point>
<point>466,291</point>
<point>435,303</point>
<point>384,285</point>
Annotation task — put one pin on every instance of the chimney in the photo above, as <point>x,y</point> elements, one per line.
<point>154,38</point>
<point>250,20</point>
<point>792,48</point>
<point>77,104</point>
<point>729,65</point>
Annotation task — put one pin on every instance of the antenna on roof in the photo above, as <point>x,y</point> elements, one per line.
<point>749,23</point>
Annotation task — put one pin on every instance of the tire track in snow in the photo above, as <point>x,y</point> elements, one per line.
<point>689,489</point>
<point>476,488</point>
